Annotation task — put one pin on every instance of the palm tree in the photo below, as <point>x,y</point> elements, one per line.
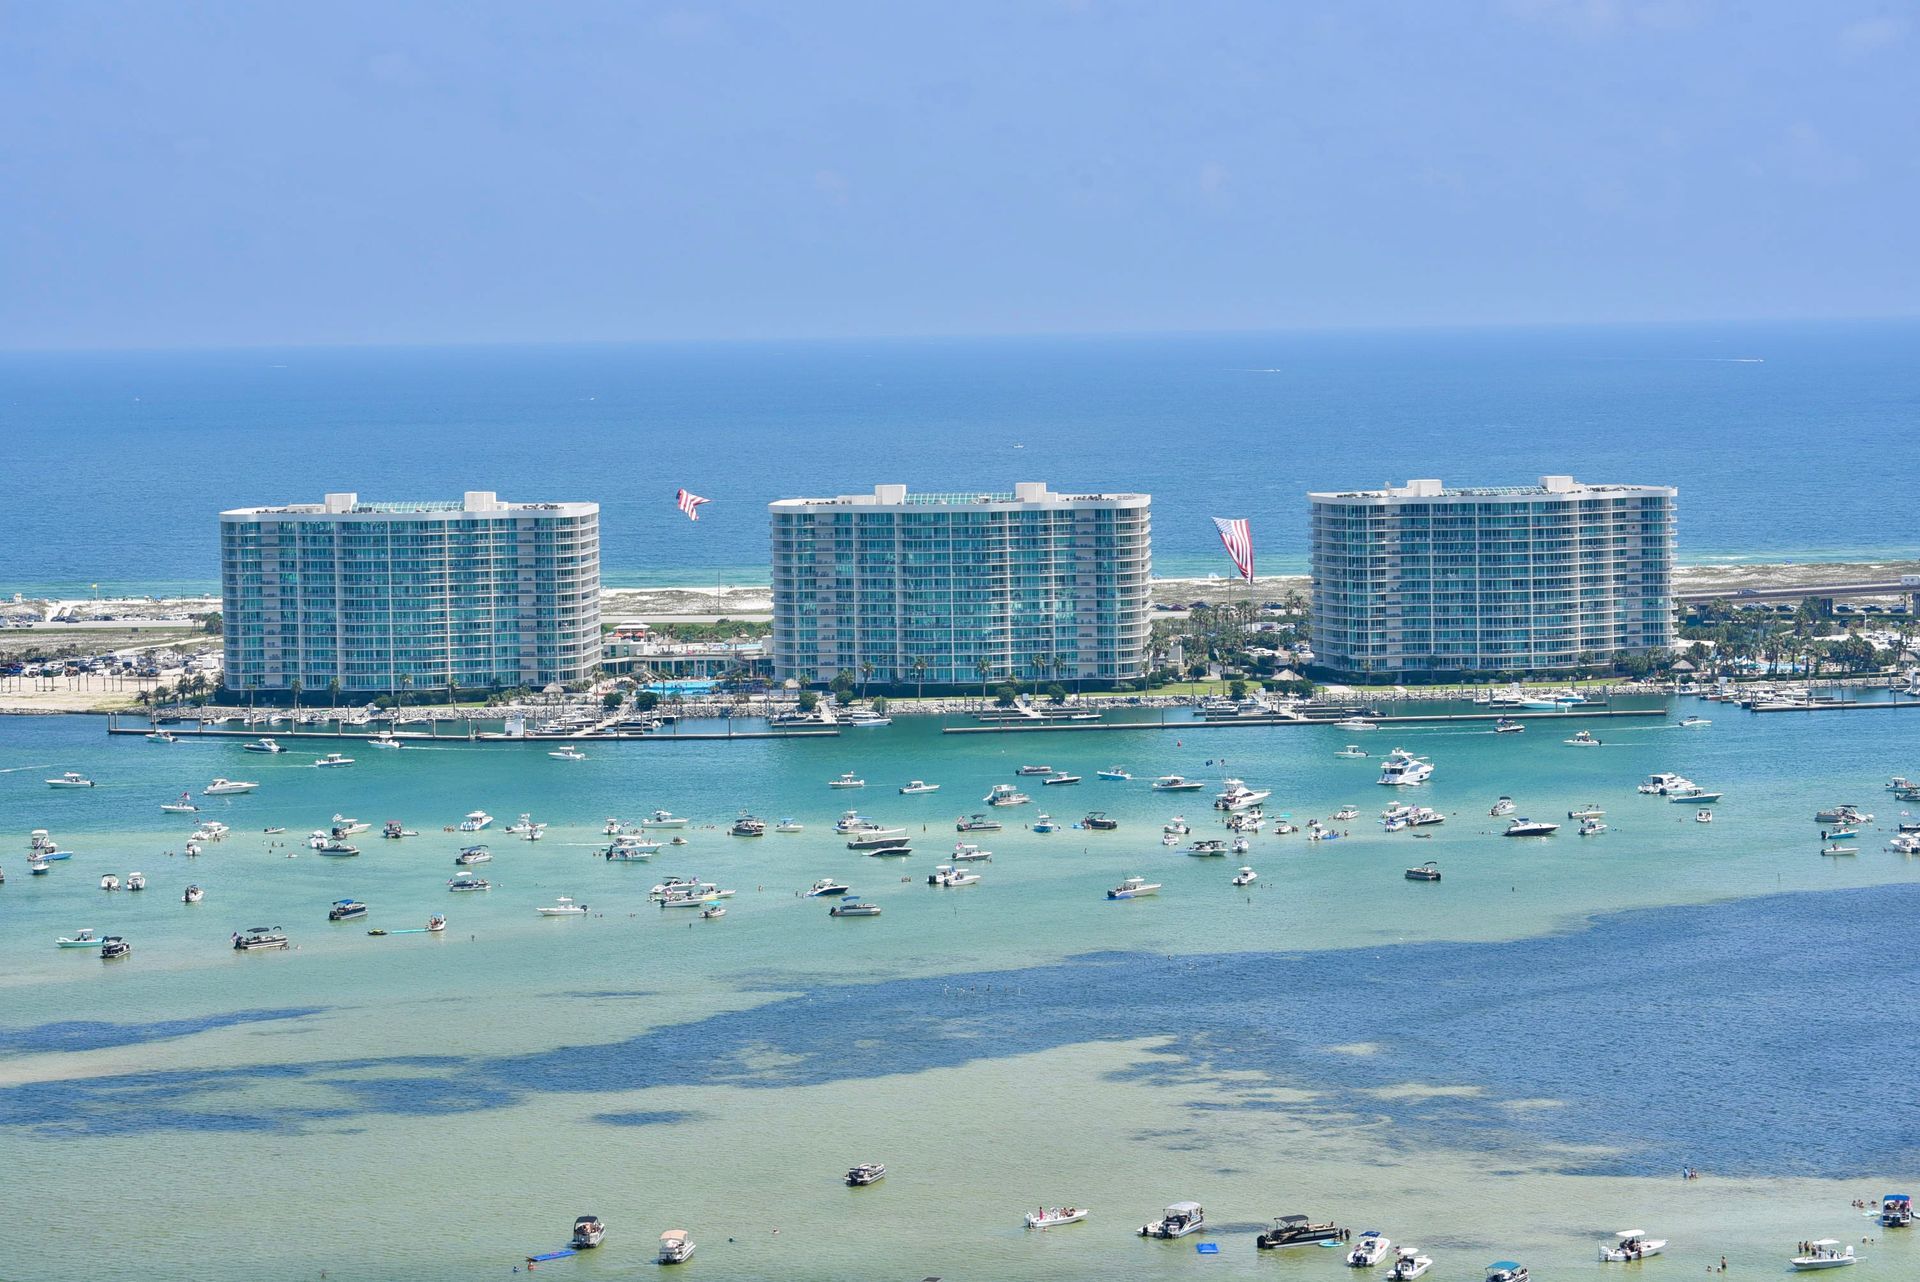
<point>406,686</point>
<point>919,669</point>
<point>985,668</point>
<point>294,687</point>
<point>866,675</point>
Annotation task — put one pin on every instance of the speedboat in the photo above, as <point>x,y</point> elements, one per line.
<point>874,837</point>
<point>1352,752</point>
<point>38,866</point>
<point>1409,1264</point>
<point>748,826</point>
<point>184,806</point>
<point>1356,723</point>
<point>854,908</point>
<point>1298,1230</point>
<point>1236,796</point>
<point>827,886</point>
<point>1207,847</point>
<point>227,787</point>
<point>562,907</point>
<point>1429,871</point>
<point>385,739</point>
<point>263,745</point>
<point>1034,770</point>
<point>193,895</point>
<point>1582,739</point>
<point>136,881</point>
<point>258,938</point>
<point>866,1173</point>
<point>1588,811</point>
<point>1245,877</point>
<point>1113,774</point>
<point>1054,1217</point>
<point>346,910</point>
<point>1507,725</point>
<point>1592,827</point>
<point>675,1247</point>
<point>1502,807</point>
<point>1005,794</point>
<point>114,947</point>
<point>1506,1271</point>
<point>847,780</point>
<point>917,787</point>
<point>1906,843</point>
<point>1695,794</point>
<point>1694,723</point>
<point>1703,816</point>
<point>524,826</point>
<point>394,830</point>
<point>1631,1244</point>
<point>1827,1253</point>
<point>1402,769</point>
<point>1839,850</point>
<point>334,759</point>
<point>109,882</point>
<point>978,823</point>
<point>473,855</point>
<point>475,821</point>
<point>785,825</point>
<point>1176,826</point>
<point>1369,1249</point>
<point>1346,813</point>
<point>588,1231</point>
<point>82,938</point>
<point>1176,783</point>
<point>1176,1221</point>
<point>967,852</point>
<point>568,753</point>
<point>948,875</point>
<point>467,882</point>
<point>71,779</point>
<point>161,736</point>
<point>1062,777</point>
<point>663,819</point>
<point>1845,815</point>
<point>1134,888</point>
<point>622,849</point>
<point>1530,828</point>
<point>436,923</point>
<point>1044,824</point>
<point>866,719</point>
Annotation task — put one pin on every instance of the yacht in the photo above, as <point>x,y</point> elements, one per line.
<point>663,819</point>
<point>1506,1271</point>
<point>978,823</point>
<point>1176,1221</point>
<point>257,938</point>
<point>1530,828</point>
<point>136,881</point>
<point>473,855</point>
<point>854,908</point>
<point>588,1231</point>
<point>109,882</point>
<point>466,881</point>
<point>966,852</point>
<point>1054,1217</point>
<point>1061,778</point>
<point>827,886</point>
<point>847,780</point>
<point>917,787</point>
<point>1582,739</point>
<point>866,719</point>
<point>1827,1253</point>
<point>263,745</point>
<point>1631,1244</point>
<point>1502,808</point>
<point>1034,770</point>
<point>1245,877</point>
<point>71,779</point>
<point>1235,796</point>
<point>1507,725</point>
<point>1402,769</point>
<point>1176,783</point>
<point>193,895</point>
<point>227,787</point>
<point>1352,752</point>
<point>1113,774</point>
<point>866,1173</point>
<point>627,849</point>
<point>1592,827</point>
<point>562,907</point>
<point>1694,723</point>
<point>1661,783</point>
<point>1588,811</point>
<point>1429,871</point>
<point>82,938</point>
<point>113,947</point>
<point>748,826</point>
<point>787,825</point>
<point>333,759</point>
<point>675,1247</point>
<point>475,821</point>
<point>1005,794</point>
<point>568,753</point>
<point>1409,1264</point>
<point>184,806</point>
<point>346,910</point>
<point>1369,1249</point>
<point>1298,1230</point>
<point>1134,888</point>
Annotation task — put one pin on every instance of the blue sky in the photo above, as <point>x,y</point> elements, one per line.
<point>230,174</point>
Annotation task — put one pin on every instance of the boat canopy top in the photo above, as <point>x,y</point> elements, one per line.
<point>587,1219</point>
<point>674,1235</point>
<point>1826,1241</point>
<point>1291,1219</point>
<point>1370,1233</point>
<point>1631,1233</point>
<point>1508,1265</point>
<point>1183,1208</point>
<point>1895,1197</point>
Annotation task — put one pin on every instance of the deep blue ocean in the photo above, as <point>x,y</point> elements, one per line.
<point>1787,441</point>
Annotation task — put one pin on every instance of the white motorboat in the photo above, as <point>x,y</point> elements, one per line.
<point>1176,1221</point>
<point>1207,847</point>
<point>847,780</point>
<point>1176,826</point>
<point>1693,794</point>
<point>1113,774</point>
<point>588,1232</point>
<point>1588,811</point>
<point>525,826</point>
<point>468,882</point>
<point>978,823</point>
<point>1357,723</point>
<point>1582,739</point>
<point>568,753</point>
<point>1530,828</point>
<point>82,938</point>
<point>263,745</point>
<point>825,887</point>
<point>1507,725</point>
<point>161,736</point>
<point>333,759</point>
<point>260,938</point>
<point>866,719</point>
<point>1005,794</point>
<point>1827,1253</point>
<point>967,852</point>
<point>630,850</point>
<point>1061,778</point>
<point>109,882</point>
<point>1429,871</point>
<point>1043,824</point>
<point>475,821</point>
<point>1409,1264</point>
<point>854,908</point>
<point>1703,816</point>
<point>385,739</point>
<point>675,1247</point>
<point>1502,808</point>
<point>1176,783</point>
<point>227,787</point>
<point>1906,843</point>
<point>1694,723</point>
<point>1660,783</point>
<point>1631,1244</point>
<point>1134,888</point>
<point>866,1173</point>
<point>917,787</point>
<point>1403,769</point>
<point>184,806</point>
<point>345,827</point>
<point>136,881</point>
<point>663,819</point>
<point>1369,1249</point>
<point>562,907</point>
<point>748,826</point>
<point>193,895</point>
<point>1052,1217</point>
<point>1507,1271</point>
<point>1346,814</point>
<point>1235,796</point>
<point>948,875</point>
<point>1245,877</point>
<point>71,779</point>
<point>1592,827</point>
<point>1034,770</point>
<point>1352,752</point>
<point>789,825</point>
<point>114,947</point>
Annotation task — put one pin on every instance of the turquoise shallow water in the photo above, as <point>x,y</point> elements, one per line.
<point>1511,1062</point>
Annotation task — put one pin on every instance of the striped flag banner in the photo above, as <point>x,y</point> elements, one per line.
<point>689,502</point>
<point>1238,537</point>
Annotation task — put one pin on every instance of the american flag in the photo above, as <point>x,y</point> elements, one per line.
<point>690,503</point>
<point>1238,536</point>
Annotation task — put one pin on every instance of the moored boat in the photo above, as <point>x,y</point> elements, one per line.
<point>1134,888</point>
<point>1177,1221</point>
<point>259,938</point>
<point>588,1231</point>
<point>675,1247</point>
<point>866,1173</point>
<point>1827,1253</point>
<point>1052,1217</point>
<point>1631,1244</point>
<point>1298,1230</point>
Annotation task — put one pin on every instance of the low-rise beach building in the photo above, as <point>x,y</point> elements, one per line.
<point>953,589</point>
<point>477,593</point>
<point>1420,578</point>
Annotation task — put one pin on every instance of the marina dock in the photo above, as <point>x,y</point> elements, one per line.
<point>1429,718</point>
